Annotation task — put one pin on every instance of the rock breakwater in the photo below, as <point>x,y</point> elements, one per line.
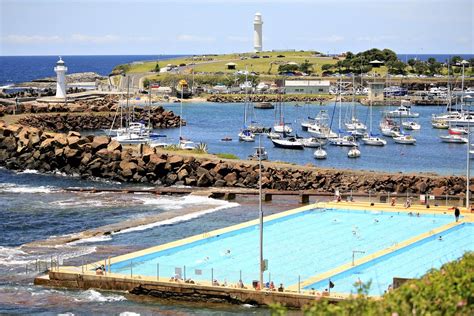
<point>98,156</point>
<point>158,117</point>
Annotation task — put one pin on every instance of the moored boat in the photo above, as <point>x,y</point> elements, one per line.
<point>288,143</point>
<point>320,153</point>
<point>354,152</point>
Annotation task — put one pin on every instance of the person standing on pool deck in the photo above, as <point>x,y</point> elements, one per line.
<point>456,213</point>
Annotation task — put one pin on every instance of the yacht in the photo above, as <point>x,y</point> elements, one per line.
<point>373,140</point>
<point>186,144</point>
<point>321,131</point>
<point>456,139</point>
<point>288,143</point>
<point>347,141</point>
<point>403,111</point>
<point>312,142</point>
<point>411,125</point>
<point>404,139</point>
<point>246,136</point>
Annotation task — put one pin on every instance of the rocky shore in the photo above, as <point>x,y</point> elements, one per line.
<point>98,156</point>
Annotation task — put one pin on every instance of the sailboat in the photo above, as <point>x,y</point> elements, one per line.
<point>281,126</point>
<point>320,153</point>
<point>371,139</point>
<point>184,143</point>
<point>346,140</point>
<point>355,126</point>
<point>246,135</point>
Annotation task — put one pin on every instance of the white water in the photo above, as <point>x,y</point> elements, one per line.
<point>94,296</point>
<point>18,188</point>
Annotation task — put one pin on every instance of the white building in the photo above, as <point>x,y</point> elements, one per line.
<point>307,86</point>
<point>60,70</point>
<point>257,32</point>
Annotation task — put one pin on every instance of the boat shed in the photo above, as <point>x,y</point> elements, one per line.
<point>307,86</point>
<point>376,91</point>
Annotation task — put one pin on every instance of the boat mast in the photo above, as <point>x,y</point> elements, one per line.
<point>340,105</point>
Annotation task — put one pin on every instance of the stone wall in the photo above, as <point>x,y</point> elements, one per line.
<point>99,156</point>
<point>230,98</point>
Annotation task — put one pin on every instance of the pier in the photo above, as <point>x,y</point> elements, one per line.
<point>230,193</point>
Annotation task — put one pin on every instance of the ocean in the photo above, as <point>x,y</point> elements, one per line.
<point>16,69</point>
<point>439,57</point>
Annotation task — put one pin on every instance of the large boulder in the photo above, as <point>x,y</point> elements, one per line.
<point>100,142</point>
<point>128,168</point>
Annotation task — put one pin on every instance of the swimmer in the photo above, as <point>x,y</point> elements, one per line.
<point>227,252</point>
<point>440,238</point>
<point>376,220</point>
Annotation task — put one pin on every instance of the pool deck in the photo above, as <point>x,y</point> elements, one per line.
<point>84,277</point>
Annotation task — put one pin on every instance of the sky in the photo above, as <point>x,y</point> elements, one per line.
<point>146,27</point>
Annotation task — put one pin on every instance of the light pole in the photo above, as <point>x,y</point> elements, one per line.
<point>468,163</point>
<point>260,207</point>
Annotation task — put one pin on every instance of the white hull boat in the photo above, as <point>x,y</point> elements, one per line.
<point>410,125</point>
<point>282,128</point>
<point>456,139</point>
<point>440,125</point>
<point>354,152</point>
<point>403,111</point>
<point>246,136</point>
<point>312,142</point>
<point>131,139</point>
<point>320,153</point>
<point>321,132</point>
<point>288,143</point>
<point>187,145</point>
<point>374,141</point>
<point>346,141</point>
<point>273,135</point>
<point>405,139</point>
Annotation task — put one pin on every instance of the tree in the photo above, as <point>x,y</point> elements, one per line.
<point>411,62</point>
<point>157,68</point>
<point>396,67</point>
<point>287,68</point>
<point>326,67</point>
<point>306,67</point>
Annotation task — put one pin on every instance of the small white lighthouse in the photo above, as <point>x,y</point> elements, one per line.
<point>60,70</point>
<point>257,32</point>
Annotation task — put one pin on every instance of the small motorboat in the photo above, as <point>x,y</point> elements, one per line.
<point>260,153</point>
<point>226,139</point>
<point>246,136</point>
<point>347,141</point>
<point>273,135</point>
<point>320,153</point>
<point>404,139</point>
<point>390,131</point>
<point>455,139</point>
<point>187,144</point>
<point>312,142</point>
<point>403,111</point>
<point>288,143</point>
<point>374,141</point>
<point>264,105</point>
<point>458,130</point>
<point>354,152</point>
<point>440,125</point>
<point>411,125</point>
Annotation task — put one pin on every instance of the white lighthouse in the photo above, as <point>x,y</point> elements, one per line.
<point>257,32</point>
<point>60,70</point>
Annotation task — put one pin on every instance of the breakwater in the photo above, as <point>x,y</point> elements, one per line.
<point>98,156</point>
<point>230,98</point>
<point>158,117</point>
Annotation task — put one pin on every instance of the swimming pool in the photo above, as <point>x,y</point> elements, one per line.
<point>297,246</point>
<point>409,262</point>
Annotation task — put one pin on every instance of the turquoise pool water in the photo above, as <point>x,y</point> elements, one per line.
<point>296,246</point>
<point>409,262</point>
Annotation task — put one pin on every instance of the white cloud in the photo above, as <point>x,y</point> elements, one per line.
<point>194,38</point>
<point>104,39</point>
<point>241,39</point>
<point>31,39</point>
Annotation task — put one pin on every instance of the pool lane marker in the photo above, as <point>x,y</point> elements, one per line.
<point>347,266</point>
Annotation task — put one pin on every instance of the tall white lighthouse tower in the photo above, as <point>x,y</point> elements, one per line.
<point>60,70</point>
<point>257,32</point>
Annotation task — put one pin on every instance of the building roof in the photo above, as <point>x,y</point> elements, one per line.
<point>307,83</point>
<point>376,62</point>
<point>231,64</point>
